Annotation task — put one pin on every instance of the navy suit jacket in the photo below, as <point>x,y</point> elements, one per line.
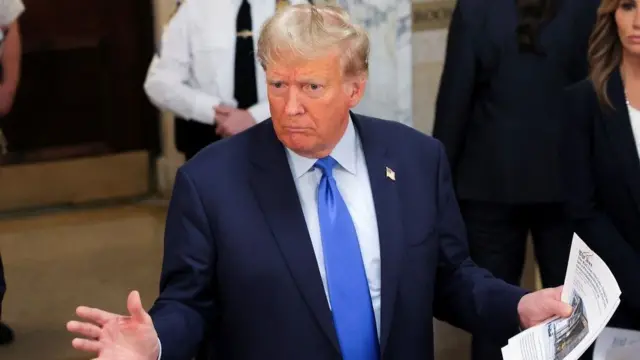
<point>239,265</point>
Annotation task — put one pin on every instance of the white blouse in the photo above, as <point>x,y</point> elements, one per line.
<point>634,115</point>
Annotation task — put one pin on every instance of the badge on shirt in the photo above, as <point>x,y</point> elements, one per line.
<point>281,4</point>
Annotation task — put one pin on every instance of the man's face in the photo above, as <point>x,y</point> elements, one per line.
<point>310,102</point>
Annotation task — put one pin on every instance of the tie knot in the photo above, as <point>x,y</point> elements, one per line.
<point>326,165</point>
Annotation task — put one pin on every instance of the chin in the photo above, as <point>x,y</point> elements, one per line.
<point>300,144</point>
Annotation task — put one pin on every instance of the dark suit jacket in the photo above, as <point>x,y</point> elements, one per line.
<point>238,256</point>
<point>603,173</point>
<point>499,111</point>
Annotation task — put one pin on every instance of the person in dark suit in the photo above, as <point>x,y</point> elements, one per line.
<point>499,116</point>
<point>602,145</point>
<point>329,235</point>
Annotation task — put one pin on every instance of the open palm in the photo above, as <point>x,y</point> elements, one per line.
<point>116,337</point>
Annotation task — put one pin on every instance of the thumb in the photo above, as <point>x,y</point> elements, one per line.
<point>561,308</point>
<point>134,305</point>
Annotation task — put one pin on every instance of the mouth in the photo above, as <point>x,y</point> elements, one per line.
<point>634,39</point>
<point>296,129</point>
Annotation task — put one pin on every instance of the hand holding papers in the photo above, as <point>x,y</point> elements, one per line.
<point>592,291</point>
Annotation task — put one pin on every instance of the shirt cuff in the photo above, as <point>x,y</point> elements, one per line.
<point>260,111</point>
<point>203,109</point>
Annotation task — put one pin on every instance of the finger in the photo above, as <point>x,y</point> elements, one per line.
<point>224,109</point>
<point>228,131</point>
<point>222,118</point>
<point>557,292</point>
<point>98,316</point>
<point>221,112</point>
<point>561,309</point>
<point>86,345</point>
<point>134,305</point>
<point>222,129</point>
<point>85,329</point>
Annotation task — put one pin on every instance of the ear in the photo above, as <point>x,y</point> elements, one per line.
<point>356,88</point>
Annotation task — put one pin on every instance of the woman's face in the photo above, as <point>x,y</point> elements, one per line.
<point>627,17</point>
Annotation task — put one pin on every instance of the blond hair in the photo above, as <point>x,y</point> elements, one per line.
<point>605,49</point>
<point>311,31</point>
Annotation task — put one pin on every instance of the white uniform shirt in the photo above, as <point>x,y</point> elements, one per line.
<point>10,10</point>
<point>194,69</point>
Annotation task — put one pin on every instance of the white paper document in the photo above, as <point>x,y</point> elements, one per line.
<point>592,291</point>
<point>617,344</point>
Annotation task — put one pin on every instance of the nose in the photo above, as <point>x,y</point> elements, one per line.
<point>636,18</point>
<point>293,107</point>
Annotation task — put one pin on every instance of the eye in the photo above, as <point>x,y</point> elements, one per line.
<point>277,84</point>
<point>313,87</point>
<point>628,5</point>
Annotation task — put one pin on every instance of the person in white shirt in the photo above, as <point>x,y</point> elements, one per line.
<point>10,54</point>
<point>205,71</point>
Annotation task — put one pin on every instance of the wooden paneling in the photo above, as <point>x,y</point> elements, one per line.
<point>84,64</point>
<point>74,181</point>
<point>81,128</point>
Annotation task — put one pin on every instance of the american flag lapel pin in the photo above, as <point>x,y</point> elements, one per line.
<point>390,174</point>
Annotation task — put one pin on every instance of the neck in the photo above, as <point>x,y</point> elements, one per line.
<point>630,68</point>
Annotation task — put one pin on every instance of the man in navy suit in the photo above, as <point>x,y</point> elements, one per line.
<point>318,234</point>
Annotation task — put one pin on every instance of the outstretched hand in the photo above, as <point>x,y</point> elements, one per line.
<point>116,337</point>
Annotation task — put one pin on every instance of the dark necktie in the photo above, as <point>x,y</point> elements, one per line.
<point>245,91</point>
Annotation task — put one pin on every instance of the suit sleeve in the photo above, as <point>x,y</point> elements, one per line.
<point>457,83</point>
<point>186,303</point>
<point>593,226</point>
<point>467,296</point>
<point>171,68</point>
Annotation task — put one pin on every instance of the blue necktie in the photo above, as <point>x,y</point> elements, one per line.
<point>348,287</point>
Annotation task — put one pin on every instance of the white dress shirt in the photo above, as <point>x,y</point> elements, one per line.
<point>10,10</point>
<point>193,70</point>
<point>352,178</point>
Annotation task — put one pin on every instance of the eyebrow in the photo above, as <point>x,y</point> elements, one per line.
<point>306,80</point>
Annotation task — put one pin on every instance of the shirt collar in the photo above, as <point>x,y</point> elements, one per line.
<point>344,153</point>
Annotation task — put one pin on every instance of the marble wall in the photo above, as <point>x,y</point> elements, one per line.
<point>389,90</point>
<point>430,23</point>
<point>408,40</point>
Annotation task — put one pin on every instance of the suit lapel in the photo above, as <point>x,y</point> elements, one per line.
<point>387,204</point>
<point>275,190</point>
<point>618,125</point>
